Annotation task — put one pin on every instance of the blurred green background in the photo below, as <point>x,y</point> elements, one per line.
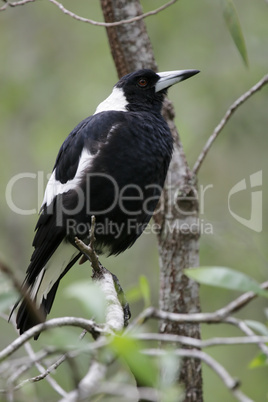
<point>54,71</point>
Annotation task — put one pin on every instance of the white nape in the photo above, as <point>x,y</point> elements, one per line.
<point>116,101</point>
<point>55,187</point>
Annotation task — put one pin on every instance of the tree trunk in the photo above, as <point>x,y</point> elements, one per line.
<point>178,213</point>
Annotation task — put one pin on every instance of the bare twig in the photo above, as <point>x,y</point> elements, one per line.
<point>14,4</point>
<point>151,312</point>
<point>88,384</point>
<point>89,251</point>
<point>217,316</point>
<point>12,370</point>
<point>248,331</point>
<point>53,383</point>
<point>225,119</point>
<point>97,369</point>
<point>200,344</point>
<point>55,365</point>
<point>88,325</point>
<point>34,359</point>
<point>231,383</point>
<point>240,301</point>
<point>111,24</point>
<point>90,21</point>
<point>130,392</point>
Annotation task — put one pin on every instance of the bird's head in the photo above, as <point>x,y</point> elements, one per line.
<point>147,88</point>
<point>143,90</point>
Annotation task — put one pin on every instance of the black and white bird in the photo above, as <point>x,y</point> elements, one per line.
<point>112,165</point>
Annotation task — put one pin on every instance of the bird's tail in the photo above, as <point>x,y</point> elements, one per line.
<point>38,296</point>
<point>30,313</point>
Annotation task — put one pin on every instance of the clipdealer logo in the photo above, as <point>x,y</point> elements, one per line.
<point>254,222</point>
<point>253,183</point>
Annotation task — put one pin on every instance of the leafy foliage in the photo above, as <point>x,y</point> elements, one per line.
<point>142,366</point>
<point>91,298</point>
<point>141,291</point>
<point>226,278</point>
<point>234,27</point>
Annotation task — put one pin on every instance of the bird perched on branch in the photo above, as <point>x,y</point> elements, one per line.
<point>112,165</point>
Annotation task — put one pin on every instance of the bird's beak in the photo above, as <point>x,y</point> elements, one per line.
<point>169,78</point>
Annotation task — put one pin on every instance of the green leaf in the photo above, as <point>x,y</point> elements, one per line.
<point>90,296</point>
<point>257,326</point>
<point>226,278</point>
<point>134,294</point>
<point>234,27</point>
<point>259,361</point>
<point>142,366</point>
<point>145,290</point>
<point>142,291</point>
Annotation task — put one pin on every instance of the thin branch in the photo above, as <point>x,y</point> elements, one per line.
<point>52,382</point>
<point>111,24</point>
<point>130,392</point>
<point>225,119</point>
<point>89,251</point>
<point>200,344</point>
<point>151,312</point>
<point>88,325</point>
<point>14,4</point>
<point>55,365</point>
<point>240,301</point>
<point>231,383</point>
<point>23,366</point>
<point>248,331</point>
<point>89,383</point>
<point>89,21</point>
<point>34,359</point>
<point>217,316</point>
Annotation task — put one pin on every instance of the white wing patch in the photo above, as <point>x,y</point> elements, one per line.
<point>55,187</point>
<point>116,101</point>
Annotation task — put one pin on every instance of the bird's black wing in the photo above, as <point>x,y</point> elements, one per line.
<point>49,234</point>
<point>87,136</point>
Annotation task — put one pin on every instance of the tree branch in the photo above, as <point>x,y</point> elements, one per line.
<point>231,383</point>
<point>90,21</point>
<point>53,383</point>
<point>200,344</point>
<point>89,325</point>
<point>117,311</point>
<point>248,331</point>
<point>225,119</point>
<point>89,383</point>
<point>131,392</point>
<point>217,316</point>
<point>53,366</point>
<point>14,4</point>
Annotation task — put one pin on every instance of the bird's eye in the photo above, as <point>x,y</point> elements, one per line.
<point>142,82</point>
